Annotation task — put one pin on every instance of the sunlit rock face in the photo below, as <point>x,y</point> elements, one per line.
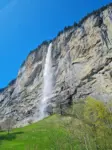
<point>82,66</point>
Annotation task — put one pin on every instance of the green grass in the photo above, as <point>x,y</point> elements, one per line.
<point>44,135</point>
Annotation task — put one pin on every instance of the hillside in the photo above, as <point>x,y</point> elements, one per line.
<point>86,125</point>
<point>32,137</point>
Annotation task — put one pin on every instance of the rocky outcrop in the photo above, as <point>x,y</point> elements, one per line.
<point>82,65</point>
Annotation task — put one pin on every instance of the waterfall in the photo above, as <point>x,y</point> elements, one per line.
<point>47,83</point>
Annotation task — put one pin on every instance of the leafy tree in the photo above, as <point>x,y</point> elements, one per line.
<point>90,123</point>
<point>99,119</point>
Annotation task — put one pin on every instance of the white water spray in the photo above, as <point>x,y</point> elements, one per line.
<point>47,84</point>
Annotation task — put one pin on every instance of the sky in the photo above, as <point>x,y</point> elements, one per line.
<point>24,24</point>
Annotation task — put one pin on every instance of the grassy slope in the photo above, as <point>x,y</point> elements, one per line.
<point>42,136</point>
<point>88,128</point>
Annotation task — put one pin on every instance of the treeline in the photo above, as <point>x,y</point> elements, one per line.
<point>95,12</point>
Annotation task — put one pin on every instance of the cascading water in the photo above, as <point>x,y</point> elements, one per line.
<point>47,84</point>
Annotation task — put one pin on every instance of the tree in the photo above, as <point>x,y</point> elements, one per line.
<point>99,119</point>
<point>90,123</point>
<point>0,128</point>
<point>75,24</point>
<point>8,124</point>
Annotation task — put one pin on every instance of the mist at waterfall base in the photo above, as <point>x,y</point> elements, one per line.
<point>47,83</point>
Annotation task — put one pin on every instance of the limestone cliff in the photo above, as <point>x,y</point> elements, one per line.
<point>82,65</point>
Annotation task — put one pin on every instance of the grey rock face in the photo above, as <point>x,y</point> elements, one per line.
<point>82,65</point>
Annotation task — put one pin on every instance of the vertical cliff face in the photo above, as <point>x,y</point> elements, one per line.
<point>82,65</point>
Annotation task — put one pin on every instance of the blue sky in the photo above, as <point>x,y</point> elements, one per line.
<point>24,24</point>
